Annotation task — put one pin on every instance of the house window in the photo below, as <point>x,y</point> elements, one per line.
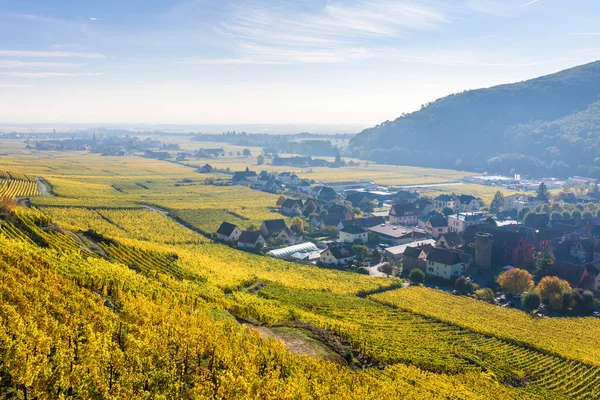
<point>430,269</point>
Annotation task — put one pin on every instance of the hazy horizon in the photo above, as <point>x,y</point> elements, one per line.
<point>283,129</point>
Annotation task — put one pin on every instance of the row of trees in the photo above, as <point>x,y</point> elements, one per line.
<point>556,292</point>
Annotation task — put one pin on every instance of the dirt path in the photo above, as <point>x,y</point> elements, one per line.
<point>43,186</point>
<point>298,341</point>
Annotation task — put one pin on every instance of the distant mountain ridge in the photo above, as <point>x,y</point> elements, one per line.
<point>544,126</point>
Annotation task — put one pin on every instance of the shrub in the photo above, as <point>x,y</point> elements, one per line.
<point>486,295</point>
<point>531,300</point>
<point>416,276</point>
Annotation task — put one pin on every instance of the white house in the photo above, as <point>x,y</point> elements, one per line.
<point>336,255</point>
<point>353,234</point>
<point>272,227</point>
<point>442,263</point>
<point>467,202</point>
<point>445,201</point>
<point>520,201</point>
<point>228,232</point>
<point>404,214</point>
<point>290,236</point>
<point>461,221</point>
<point>250,240</point>
<point>292,207</point>
<point>436,227</point>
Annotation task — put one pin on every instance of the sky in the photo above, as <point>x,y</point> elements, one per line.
<point>335,62</point>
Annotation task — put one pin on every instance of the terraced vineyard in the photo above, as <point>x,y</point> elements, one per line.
<point>148,262</point>
<point>16,184</point>
<point>491,320</point>
<point>395,336</point>
<point>40,230</point>
<point>123,223</point>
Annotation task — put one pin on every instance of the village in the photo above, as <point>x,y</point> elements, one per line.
<point>451,239</point>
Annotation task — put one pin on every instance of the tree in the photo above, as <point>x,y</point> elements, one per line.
<point>497,203</point>
<point>464,286</point>
<point>588,300</point>
<point>247,153</point>
<point>566,215</point>
<point>576,214</point>
<point>416,276</point>
<point>516,280</point>
<point>338,160</point>
<point>531,300</point>
<point>361,251</point>
<point>297,221</point>
<point>544,263</point>
<point>587,215</point>
<point>542,192</point>
<point>447,211</point>
<point>536,220</point>
<point>523,212</point>
<point>386,268</point>
<point>556,215</point>
<point>552,289</point>
<point>485,294</point>
<point>375,257</point>
<point>280,201</point>
<point>260,160</point>
<point>530,219</point>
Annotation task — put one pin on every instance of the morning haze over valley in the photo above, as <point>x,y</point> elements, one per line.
<point>332,199</point>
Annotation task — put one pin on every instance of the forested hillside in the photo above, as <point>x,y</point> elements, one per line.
<point>547,125</point>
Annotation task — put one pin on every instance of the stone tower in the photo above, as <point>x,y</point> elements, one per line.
<point>483,251</point>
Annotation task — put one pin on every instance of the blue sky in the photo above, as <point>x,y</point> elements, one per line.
<point>326,62</point>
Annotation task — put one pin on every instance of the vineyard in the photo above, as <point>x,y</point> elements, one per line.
<point>491,320</point>
<point>395,336</point>
<point>16,184</point>
<point>161,342</point>
<point>103,298</point>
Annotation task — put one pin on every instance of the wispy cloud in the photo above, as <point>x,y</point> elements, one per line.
<point>94,19</point>
<point>48,54</point>
<point>37,64</point>
<point>19,74</point>
<point>30,17</point>
<point>335,32</point>
<point>15,85</point>
<point>530,3</point>
<point>584,33</point>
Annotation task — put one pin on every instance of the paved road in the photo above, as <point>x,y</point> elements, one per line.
<point>43,187</point>
<point>373,271</point>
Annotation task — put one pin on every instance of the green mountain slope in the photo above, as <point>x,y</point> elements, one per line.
<point>547,125</point>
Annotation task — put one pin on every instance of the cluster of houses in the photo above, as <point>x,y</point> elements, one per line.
<point>445,236</point>
<point>274,228</point>
<point>270,182</point>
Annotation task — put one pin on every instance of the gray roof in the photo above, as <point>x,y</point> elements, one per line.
<point>226,229</point>
<point>249,237</point>
<point>443,256</point>
<point>353,230</point>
